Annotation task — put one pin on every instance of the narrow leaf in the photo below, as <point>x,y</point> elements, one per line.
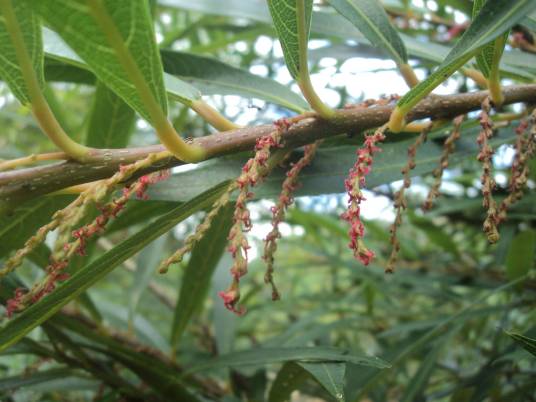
<point>74,22</point>
<point>213,77</point>
<point>198,274</point>
<point>495,18</point>
<point>10,70</point>
<point>39,312</point>
<point>372,20</point>
<point>284,16</point>
<point>330,376</point>
<point>279,355</point>
<point>525,342</point>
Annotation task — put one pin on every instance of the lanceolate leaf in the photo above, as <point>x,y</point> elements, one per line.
<point>278,355</point>
<point>495,18</point>
<point>527,343</point>
<point>10,71</point>
<point>284,15</point>
<point>372,20</point>
<point>74,22</point>
<point>288,379</point>
<point>490,54</point>
<point>39,312</point>
<point>212,76</point>
<point>198,274</point>
<point>111,121</point>
<point>330,376</point>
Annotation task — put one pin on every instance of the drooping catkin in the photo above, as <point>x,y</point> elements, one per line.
<point>284,200</point>
<point>353,184</point>
<point>448,149</point>
<point>488,183</point>
<point>525,149</point>
<point>400,201</point>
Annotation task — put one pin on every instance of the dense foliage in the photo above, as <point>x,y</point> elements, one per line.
<point>330,230</point>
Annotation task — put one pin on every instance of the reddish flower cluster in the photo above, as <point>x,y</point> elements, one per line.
<point>14,304</point>
<point>278,213</point>
<point>253,171</point>
<point>55,271</point>
<point>488,183</point>
<point>353,184</point>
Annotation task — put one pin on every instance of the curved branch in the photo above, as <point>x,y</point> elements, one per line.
<point>24,184</point>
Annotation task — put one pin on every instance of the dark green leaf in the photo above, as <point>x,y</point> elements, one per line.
<point>330,376</point>
<point>525,342</point>
<point>288,379</point>
<point>520,257</point>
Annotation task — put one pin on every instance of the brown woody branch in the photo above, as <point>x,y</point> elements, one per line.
<point>20,185</point>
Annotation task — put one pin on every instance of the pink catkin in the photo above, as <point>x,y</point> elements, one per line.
<point>353,185</point>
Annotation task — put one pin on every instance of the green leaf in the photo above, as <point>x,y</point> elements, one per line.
<point>263,356</point>
<point>40,377</point>
<point>372,20</point>
<point>330,376</point>
<point>288,379</point>
<point>525,342</point>
<point>213,77</point>
<point>284,16</point>
<point>10,70</point>
<point>495,18</point>
<point>74,22</point>
<point>520,257</point>
<point>198,274</point>
<point>111,121</point>
<point>39,312</point>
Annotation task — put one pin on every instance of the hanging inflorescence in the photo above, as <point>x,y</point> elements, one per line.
<point>353,184</point>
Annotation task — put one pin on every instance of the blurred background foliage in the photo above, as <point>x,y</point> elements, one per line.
<point>442,320</point>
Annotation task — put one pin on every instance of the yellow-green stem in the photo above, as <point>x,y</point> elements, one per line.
<point>28,160</point>
<point>212,116</point>
<point>408,74</point>
<point>44,116</point>
<point>494,79</point>
<point>476,76</point>
<point>165,131</point>
<point>304,79</point>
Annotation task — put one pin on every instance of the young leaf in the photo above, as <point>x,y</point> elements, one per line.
<point>10,70</point>
<point>198,274</point>
<point>372,20</point>
<point>111,121</point>
<point>39,312</point>
<point>495,18</point>
<point>74,22</point>
<point>330,376</point>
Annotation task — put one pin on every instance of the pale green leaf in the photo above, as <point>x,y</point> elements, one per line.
<point>74,22</point>
<point>10,70</point>
<point>372,20</point>
<point>284,16</point>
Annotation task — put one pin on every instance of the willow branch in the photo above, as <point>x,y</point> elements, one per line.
<point>24,184</point>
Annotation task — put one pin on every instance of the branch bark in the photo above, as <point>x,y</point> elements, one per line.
<point>21,185</point>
